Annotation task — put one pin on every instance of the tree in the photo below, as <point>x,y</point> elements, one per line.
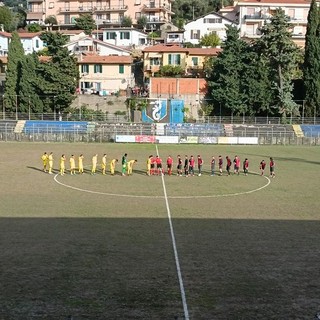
<point>59,75</point>
<point>210,40</point>
<point>126,22</point>
<point>51,21</point>
<point>225,87</point>
<point>86,23</point>
<point>29,94</point>
<point>13,72</point>
<point>255,82</point>
<point>34,27</point>
<point>142,22</point>
<point>6,18</point>
<point>311,68</point>
<point>276,47</point>
<point>171,71</point>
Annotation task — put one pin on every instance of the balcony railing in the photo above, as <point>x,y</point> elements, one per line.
<point>92,9</point>
<point>298,21</point>
<point>113,8</point>
<point>256,16</point>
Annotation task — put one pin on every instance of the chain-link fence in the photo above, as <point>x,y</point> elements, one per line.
<point>107,132</point>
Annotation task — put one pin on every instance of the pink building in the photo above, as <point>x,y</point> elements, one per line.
<point>105,12</point>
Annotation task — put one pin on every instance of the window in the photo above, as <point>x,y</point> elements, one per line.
<point>99,17</point>
<point>195,34</point>
<point>97,68</point>
<point>124,35</point>
<point>121,68</point>
<point>250,11</point>
<point>137,15</point>
<point>291,13</point>
<point>67,19</point>
<point>110,35</point>
<point>174,59</point>
<point>154,61</point>
<point>195,61</point>
<point>85,68</point>
<point>37,43</point>
<point>212,20</point>
<point>2,69</point>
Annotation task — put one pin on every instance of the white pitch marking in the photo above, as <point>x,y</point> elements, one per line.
<point>176,257</point>
<point>161,197</point>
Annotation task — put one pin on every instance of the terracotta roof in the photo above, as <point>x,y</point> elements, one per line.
<point>69,31</point>
<point>5,34</point>
<point>29,34</point>
<point>165,48</point>
<point>204,51</point>
<point>176,48</point>
<point>278,3</point>
<point>21,34</point>
<point>105,59</point>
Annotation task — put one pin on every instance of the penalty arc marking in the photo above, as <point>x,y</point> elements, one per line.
<point>268,181</point>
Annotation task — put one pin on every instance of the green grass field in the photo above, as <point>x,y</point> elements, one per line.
<point>100,247</point>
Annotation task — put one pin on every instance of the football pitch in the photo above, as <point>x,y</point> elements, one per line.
<point>160,247</point>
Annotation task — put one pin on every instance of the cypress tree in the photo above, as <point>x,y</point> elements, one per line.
<point>282,54</point>
<point>225,86</point>
<point>311,68</point>
<point>13,73</point>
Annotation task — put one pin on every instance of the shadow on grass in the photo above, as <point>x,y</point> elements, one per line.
<point>125,269</point>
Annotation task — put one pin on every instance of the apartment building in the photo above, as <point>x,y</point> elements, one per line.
<point>192,60</point>
<point>105,75</point>
<point>251,15</point>
<point>105,12</point>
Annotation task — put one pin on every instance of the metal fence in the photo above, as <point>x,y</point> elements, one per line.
<point>106,132</point>
<point>122,118</point>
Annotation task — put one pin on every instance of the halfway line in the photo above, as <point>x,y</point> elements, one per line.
<point>176,257</point>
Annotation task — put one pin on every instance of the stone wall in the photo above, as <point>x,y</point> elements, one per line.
<point>96,102</point>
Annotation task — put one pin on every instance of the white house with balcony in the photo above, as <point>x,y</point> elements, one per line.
<point>125,37</point>
<point>254,14</point>
<point>91,46</point>
<point>210,23</point>
<point>31,42</point>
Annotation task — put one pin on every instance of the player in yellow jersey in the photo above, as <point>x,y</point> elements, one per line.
<point>113,166</point>
<point>130,166</point>
<point>72,165</point>
<point>80,161</point>
<point>45,159</point>
<point>149,165</point>
<point>50,160</point>
<point>62,164</point>
<point>94,164</point>
<point>104,164</point>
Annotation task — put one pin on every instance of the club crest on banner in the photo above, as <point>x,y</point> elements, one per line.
<point>156,109</point>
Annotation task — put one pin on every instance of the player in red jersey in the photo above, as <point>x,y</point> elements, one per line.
<point>237,163</point>
<point>228,166</point>
<point>246,166</point>
<point>191,166</point>
<point>159,165</point>
<point>169,165</point>
<point>272,167</point>
<point>200,163</point>
<point>153,165</point>
<point>220,162</point>
<point>262,167</point>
